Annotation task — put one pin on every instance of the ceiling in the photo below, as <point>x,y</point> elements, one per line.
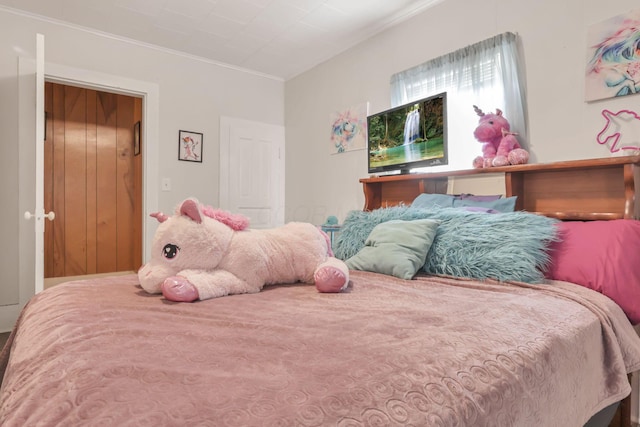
<point>280,38</point>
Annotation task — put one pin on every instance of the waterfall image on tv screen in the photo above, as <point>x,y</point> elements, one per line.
<point>409,136</point>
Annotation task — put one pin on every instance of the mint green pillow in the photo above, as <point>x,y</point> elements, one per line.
<point>396,248</point>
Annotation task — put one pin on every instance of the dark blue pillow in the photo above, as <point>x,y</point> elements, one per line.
<point>493,202</point>
<point>507,204</point>
<point>432,200</point>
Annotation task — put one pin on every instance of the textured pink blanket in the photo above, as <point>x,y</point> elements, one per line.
<point>426,352</point>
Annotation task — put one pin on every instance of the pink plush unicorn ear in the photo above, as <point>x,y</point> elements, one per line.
<point>236,222</point>
<point>190,208</point>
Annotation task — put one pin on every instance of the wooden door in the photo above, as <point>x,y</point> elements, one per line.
<point>93,182</point>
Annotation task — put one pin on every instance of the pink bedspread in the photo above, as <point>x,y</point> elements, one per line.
<point>426,352</point>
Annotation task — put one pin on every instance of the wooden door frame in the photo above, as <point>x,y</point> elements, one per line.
<point>149,92</point>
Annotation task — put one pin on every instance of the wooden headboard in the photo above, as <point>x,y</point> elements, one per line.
<point>593,189</point>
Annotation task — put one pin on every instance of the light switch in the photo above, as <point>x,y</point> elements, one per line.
<point>166,184</point>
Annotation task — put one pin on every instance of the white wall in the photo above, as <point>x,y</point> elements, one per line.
<point>553,33</point>
<point>193,95</point>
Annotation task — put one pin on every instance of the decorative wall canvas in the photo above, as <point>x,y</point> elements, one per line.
<point>190,146</point>
<point>349,129</point>
<point>613,57</point>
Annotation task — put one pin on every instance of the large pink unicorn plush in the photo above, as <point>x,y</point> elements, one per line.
<point>500,146</point>
<point>202,252</point>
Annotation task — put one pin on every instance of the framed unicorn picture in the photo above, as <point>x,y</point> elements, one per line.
<point>190,146</point>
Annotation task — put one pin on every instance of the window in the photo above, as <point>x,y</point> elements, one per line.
<point>486,74</point>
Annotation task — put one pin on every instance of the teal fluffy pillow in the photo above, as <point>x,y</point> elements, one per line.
<point>396,248</point>
<point>502,246</point>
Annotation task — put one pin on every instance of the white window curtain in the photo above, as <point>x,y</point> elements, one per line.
<point>487,74</point>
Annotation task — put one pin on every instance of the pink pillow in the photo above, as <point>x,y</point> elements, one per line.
<point>603,256</point>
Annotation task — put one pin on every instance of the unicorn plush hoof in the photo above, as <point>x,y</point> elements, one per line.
<point>331,277</point>
<point>179,289</point>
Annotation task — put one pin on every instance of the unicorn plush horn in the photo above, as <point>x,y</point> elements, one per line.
<point>159,216</point>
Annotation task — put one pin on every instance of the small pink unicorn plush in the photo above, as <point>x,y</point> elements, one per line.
<point>500,146</point>
<point>202,253</point>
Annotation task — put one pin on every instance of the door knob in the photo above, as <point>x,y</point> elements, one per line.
<point>50,216</point>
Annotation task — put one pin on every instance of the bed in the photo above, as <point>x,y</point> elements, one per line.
<point>437,350</point>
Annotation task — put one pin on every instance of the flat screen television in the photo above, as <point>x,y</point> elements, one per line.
<point>410,136</point>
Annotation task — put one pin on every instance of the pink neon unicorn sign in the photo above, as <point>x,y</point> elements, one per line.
<point>621,131</point>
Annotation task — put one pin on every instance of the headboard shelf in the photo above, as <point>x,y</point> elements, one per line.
<point>592,189</point>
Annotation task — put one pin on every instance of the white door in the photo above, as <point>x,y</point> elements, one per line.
<point>39,215</point>
<point>34,194</point>
<point>30,186</point>
<point>252,171</point>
